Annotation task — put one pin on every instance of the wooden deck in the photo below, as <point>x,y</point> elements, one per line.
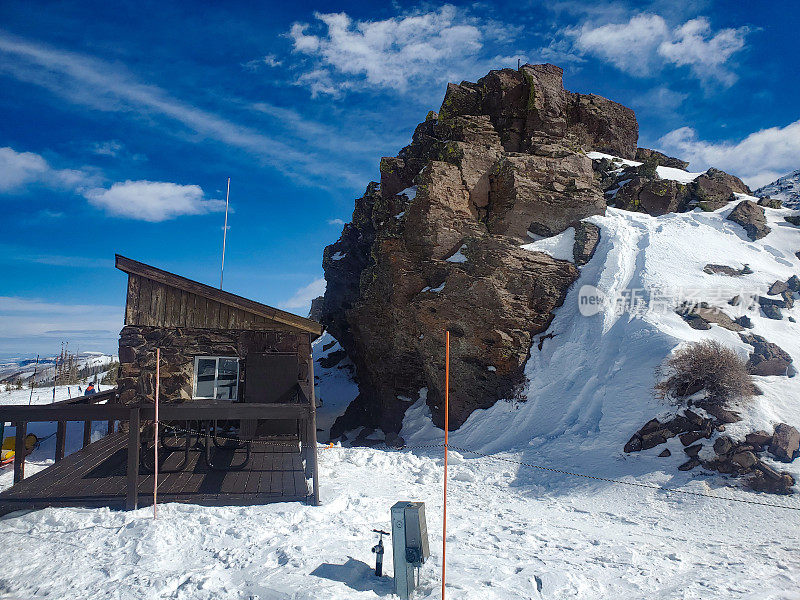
<point>96,476</point>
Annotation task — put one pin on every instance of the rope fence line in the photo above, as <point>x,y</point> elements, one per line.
<point>383,445</point>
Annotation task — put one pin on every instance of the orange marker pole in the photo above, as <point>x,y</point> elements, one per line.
<point>155,432</point>
<point>446,439</point>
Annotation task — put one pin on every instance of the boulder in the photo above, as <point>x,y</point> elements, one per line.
<point>723,445</point>
<point>777,288</point>
<point>744,460</point>
<point>664,453</point>
<point>793,283</point>
<point>653,196</point>
<point>767,359</point>
<point>758,438</point>
<point>744,321</point>
<point>785,442</point>
<point>767,479</point>
<point>689,438</point>
<point>587,236</point>
<point>772,312</point>
<point>713,269</point>
<point>751,217</point>
<point>693,451</point>
<point>768,202</point>
<point>660,159</point>
<point>689,464</point>
<point>793,219</point>
<point>634,444</point>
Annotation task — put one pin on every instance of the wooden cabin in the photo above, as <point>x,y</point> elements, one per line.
<point>214,345</point>
<point>237,418</point>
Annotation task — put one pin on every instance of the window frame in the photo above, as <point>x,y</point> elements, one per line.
<point>216,360</point>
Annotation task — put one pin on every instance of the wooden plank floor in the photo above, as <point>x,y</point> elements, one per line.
<point>95,476</point>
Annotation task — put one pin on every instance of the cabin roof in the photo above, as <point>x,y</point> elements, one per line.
<point>131,266</point>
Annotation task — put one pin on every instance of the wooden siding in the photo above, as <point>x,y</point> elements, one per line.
<point>159,295</point>
<point>154,304</point>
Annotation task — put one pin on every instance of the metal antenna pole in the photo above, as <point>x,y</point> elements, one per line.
<point>33,381</point>
<point>224,233</point>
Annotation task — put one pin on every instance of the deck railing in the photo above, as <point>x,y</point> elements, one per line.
<point>90,408</point>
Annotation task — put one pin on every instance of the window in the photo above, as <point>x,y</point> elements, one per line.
<point>216,378</point>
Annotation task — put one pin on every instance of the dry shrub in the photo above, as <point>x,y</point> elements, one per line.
<point>709,366</point>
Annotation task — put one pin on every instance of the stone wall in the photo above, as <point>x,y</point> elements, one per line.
<point>179,346</point>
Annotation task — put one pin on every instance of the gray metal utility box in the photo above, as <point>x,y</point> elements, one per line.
<point>409,544</point>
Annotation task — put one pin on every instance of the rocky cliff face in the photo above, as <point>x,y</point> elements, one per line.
<point>436,244</point>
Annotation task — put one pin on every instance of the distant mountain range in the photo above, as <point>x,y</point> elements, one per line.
<point>87,364</point>
<point>786,189</point>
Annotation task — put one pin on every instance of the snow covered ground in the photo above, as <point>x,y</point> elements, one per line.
<point>513,531</point>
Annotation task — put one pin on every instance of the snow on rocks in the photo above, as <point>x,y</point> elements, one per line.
<point>458,256</point>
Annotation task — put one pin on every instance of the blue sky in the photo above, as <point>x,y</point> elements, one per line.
<point>122,121</point>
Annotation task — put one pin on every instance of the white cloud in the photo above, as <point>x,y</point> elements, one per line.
<point>270,60</point>
<point>694,45</point>
<point>301,301</point>
<point>143,200</point>
<point>152,201</point>
<point>645,43</point>
<point>628,46</point>
<point>394,53</point>
<point>18,170</point>
<point>335,222</point>
<point>758,159</point>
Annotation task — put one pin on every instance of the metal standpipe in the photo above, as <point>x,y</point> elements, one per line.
<point>409,545</point>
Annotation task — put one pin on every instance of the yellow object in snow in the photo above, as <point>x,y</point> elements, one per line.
<point>10,443</point>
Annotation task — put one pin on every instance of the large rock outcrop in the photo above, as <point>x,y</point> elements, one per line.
<point>436,245</point>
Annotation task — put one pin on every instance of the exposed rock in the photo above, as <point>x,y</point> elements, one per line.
<point>758,438</point>
<point>660,159</point>
<point>687,439</point>
<point>689,464</point>
<point>394,441</point>
<point>793,219</point>
<point>723,445</point>
<point>714,189</point>
<point>701,317</point>
<point>772,312</point>
<point>664,453</point>
<point>744,460</point>
<point>722,415</point>
<point>503,157</point>
<point>587,236</point>
<point>713,269</point>
<point>767,358</point>
<point>777,288</point>
<point>653,196</point>
<point>316,308</point>
<point>744,321</point>
<point>751,217</point>
<point>634,444</point>
<point>793,283</point>
<point>693,451</point>
<point>768,202</point>
<point>766,479</point>
<point>785,442</point>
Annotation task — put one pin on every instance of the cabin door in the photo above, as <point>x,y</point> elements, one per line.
<point>272,378</point>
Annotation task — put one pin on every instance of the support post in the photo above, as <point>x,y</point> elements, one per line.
<point>155,433</point>
<point>446,447</point>
<point>19,451</point>
<point>132,500</point>
<point>87,433</point>
<point>61,439</point>
<point>312,434</point>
